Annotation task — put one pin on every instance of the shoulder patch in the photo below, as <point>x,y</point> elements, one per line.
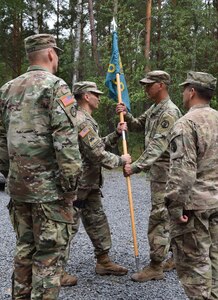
<point>67,99</point>
<point>84,132</point>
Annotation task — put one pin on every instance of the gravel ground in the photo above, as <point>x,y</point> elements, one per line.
<point>91,286</point>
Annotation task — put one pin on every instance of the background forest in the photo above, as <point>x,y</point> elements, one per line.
<point>172,35</point>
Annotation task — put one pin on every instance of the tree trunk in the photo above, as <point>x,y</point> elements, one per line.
<point>148,34</point>
<point>76,54</point>
<point>159,33</point>
<point>115,9</point>
<point>16,42</point>
<point>58,21</point>
<point>35,17</point>
<point>94,38</point>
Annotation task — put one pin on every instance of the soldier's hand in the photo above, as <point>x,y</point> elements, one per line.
<point>127,170</point>
<point>121,107</point>
<point>126,158</point>
<point>182,219</point>
<point>121,126</point>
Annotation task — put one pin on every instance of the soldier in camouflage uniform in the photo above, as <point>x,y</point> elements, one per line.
<point>192,189</point>
<point>157,123</point>
<point>94,157</point>
<point>40,156</point>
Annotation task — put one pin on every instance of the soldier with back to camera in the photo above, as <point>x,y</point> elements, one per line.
<point>40,156</point>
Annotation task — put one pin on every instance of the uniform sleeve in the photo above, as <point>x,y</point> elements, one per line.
<point>4,158</point>
<point>136,124</point>
<point>157,145</point>
<point>65,137</point>
<point>111,139</point>
<point>183,168</point>
<point>93,148</point>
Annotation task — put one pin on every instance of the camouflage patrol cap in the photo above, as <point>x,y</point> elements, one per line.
<point>156,76</point>
<point>85,86</point>
<point>40,41</point>
<point>201,79</point>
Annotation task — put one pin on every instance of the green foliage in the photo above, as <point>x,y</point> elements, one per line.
<point>184,36</point>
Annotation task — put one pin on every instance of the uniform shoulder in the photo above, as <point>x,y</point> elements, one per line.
<point>182,124</point>
<point>198,114</point>
<point>80,116</point>
<point>82,120</point>
<point>172,106</point>
<point>7,85</point>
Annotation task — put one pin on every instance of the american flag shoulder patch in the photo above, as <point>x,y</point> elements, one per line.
<point>84,132</point>
<point>67,99</point>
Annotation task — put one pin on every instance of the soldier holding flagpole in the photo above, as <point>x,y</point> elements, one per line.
<point>157,123</point>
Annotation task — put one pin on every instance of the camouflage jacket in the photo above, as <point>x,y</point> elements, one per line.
<point>157,123</point>
<point>193,176</point>
<point>93,151</point>
<point>38,137</point>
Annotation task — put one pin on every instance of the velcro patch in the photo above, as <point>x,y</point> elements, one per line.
<point>67,99</point>
<point>84,132</point>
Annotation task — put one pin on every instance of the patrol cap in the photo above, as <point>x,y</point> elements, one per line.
<point>156,76</point>
<point>202,79</point>
<point>40,41</point>
<point>85,86</point>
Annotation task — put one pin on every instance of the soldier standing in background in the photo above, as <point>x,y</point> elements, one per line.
<point>192,189</point>
<point>157,123</point>
<point>94,157</point>
<point>40,155</point>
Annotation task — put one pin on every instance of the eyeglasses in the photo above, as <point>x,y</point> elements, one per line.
<point>95,94</point>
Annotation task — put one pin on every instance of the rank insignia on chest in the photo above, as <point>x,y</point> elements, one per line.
<point>84,132</point>
<point>67,99</point>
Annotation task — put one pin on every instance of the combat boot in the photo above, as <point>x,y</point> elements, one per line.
<point>169,264</point>
<point>154,271</point>
<point>105,266</point>
<point>68,280</point>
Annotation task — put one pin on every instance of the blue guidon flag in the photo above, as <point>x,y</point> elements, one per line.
<point>115,67</point>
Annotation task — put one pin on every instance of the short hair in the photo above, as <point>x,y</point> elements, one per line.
<point>37,55</point>
<point>79,97</point>
<point>202,92</point>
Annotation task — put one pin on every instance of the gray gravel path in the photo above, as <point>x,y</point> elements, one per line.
<point>91,286</point>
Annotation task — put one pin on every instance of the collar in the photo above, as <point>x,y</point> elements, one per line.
<point>88,116</point>
<point>159,106</point>
<point>36,68</point>
<point>199,106</point>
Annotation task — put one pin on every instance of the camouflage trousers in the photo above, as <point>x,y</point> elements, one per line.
<point>94,220</point>
<point>195,249</point>
<point>158,226</point>
<point>40,250</point>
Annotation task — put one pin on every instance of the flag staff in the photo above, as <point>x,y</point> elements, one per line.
<point>128,181</point>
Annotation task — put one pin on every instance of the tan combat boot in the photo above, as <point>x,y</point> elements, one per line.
<point>105,266</point>
<point>68,280</point>
<point>169,264</point>
<point>152,272</point>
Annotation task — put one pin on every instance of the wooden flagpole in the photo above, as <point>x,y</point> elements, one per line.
<point>128,178</point>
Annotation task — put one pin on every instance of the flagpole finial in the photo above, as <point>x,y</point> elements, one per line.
<point>114,24</point>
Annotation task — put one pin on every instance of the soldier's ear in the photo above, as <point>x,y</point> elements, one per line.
<point>50,54</point>
<point>192,92</point>
<point>86,96</point>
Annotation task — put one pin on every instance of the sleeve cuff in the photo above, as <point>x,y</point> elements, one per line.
<point>117,133</point>
<point>175,213</point>
<point>135,169</point>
